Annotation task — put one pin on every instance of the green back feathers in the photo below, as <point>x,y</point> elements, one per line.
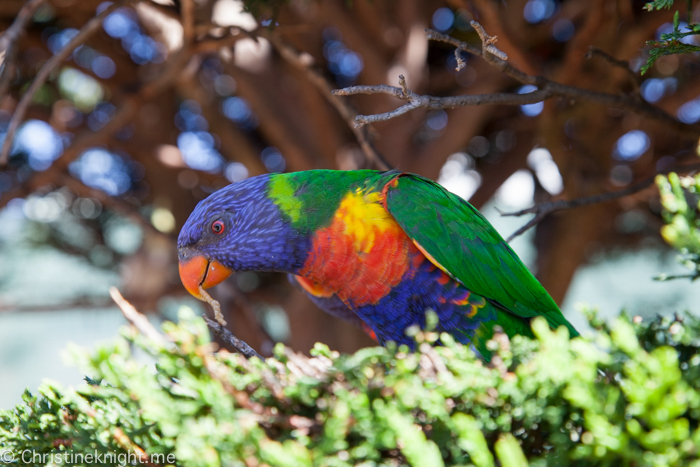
<point>461,240</point>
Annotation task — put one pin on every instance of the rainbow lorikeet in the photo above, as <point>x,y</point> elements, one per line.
<point>376,248</point>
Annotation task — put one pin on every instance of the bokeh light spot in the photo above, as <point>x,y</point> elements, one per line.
<point>235,172</point>
<point>530,110</point>
<point>479,146</point>
<point>119,24</point>
<point>345,64</point>
<point>538,10</point>
<point>458,176</point>
<point>163,220</point>
<point>83,90</point>
<point>443,18</point>
<point>103,67</point>
<point>198,151</point>
<point>540,160</point>
<point>652,90</point>
<point>437,120</point>
<point>238,110</point>
<point>632,145</point>
<point>621,175</point>
<point>563,30</point>
<point>122,236</point>
<point>101,169</point>
<point>690,111</point>
<point>273,159</point>
<point>518,191</point>
<point>59,40</point>
<point>40,142</point>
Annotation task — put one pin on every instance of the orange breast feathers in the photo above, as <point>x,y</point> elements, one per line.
<point>361,256</point>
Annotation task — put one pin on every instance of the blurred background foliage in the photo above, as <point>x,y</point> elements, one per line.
<point>169,100</point>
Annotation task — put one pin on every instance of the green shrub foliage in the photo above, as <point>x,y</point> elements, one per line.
<point>680,198</point>
<point>627,395</point>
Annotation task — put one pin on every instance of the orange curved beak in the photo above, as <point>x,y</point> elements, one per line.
<point>198,271</point>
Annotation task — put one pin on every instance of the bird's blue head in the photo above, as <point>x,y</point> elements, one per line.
<point>237,228</point>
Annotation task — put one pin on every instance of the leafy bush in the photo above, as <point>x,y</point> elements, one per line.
<point>628,396</point>
<point>680,198</point>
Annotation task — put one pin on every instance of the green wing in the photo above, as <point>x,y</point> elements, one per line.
<point>464,244</point>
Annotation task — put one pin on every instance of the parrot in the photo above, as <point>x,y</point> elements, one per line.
<point>380,249</point>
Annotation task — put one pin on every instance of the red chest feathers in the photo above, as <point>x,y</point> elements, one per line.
<point>361,255</point>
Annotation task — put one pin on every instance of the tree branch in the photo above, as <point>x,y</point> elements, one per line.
<point>487,42</point>
<point>141,323</point>
<point>546,89</point>
<point>624,64</point>
<point>90,28</point>
<point>227,336</point>
<point>542,210</point>
<point>416,101</point>
<point>137,320</point>
<point>9,39</point>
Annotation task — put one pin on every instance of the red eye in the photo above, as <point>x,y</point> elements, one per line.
<point>218,227</point>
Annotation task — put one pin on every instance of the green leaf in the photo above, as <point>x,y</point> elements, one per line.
<point>509,452</point>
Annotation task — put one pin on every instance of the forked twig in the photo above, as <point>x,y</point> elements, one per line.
<point>487,42</point>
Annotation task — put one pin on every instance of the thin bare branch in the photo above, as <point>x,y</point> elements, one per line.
<point>624,64</point>
<point>416,101</point>
<point>138,320</point>
<point>305,63</point>
<point>487,42</point>
<point>141,323</point>
<point>228,337</point>
<point>502,65</point>
<point>9,39</point>
<point>12,34</point>
<point>546,89</point>
<point>90,28</point>
<point>542,210</point>
<point>596,52</point>
<point>365,89</point>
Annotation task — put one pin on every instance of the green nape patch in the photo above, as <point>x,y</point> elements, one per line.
<point>311,198</point>
<point>282,192</point>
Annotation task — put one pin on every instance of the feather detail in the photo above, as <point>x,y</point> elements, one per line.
<point>459,240</point>
<point>362,254</point>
